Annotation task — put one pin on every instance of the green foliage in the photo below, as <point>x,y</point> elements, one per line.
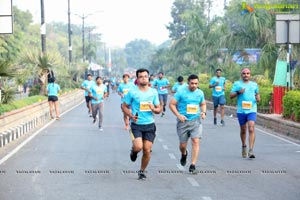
<point>34,90</point>
<point>291,105</point>
<point>7,94</point>
<point>20,103</point>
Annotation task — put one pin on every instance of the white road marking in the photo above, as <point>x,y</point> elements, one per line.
<point>165,147</point>
<point>298,151</point>
<point>15,150</point>
<point>193,182</point>
<point>206,198</point>
<point>172,156</point>
<point>160,140</point>
<point>180,167</point>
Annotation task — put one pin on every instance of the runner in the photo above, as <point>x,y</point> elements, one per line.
<point>247,94</point>
<point>97,93</point>
<point>123,89</point>
<point>186,106</point>
<point>144,102</point>
<point>218,95</point>
<point>52,91</point>
<point>162,84</point>
<point>106,82</point>
<point>86,85</point>
<point>180,83</point>
<point>152,79</point>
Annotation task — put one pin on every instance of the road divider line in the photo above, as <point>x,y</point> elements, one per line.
<point>193,182</point>
<point>165,147</point>
<point>172,156</point>
<point>206,198</point>
<point>180,167</point>
<point>20,146</point>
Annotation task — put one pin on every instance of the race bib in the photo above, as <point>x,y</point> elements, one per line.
<point>192,109</point>
<point>162,88</point>
<point>218,88</point>
<point>145,107</point>
<point>99,91</point>
<point>246,105</point>
<point>125,91</point>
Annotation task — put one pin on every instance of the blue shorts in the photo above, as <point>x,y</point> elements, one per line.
<point>220,100</point>
<point>244,118</point>
<point>163,98</point>
<point>146,132</point>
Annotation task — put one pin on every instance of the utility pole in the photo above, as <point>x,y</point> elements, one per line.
<point>43,28</point>
<point>69,33</point>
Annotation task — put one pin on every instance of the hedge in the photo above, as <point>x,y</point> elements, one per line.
<point>291,105</point>
<point>21,103</point>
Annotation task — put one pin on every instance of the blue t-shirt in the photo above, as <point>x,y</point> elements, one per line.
<point>139,101</point>
<point>246,102</point>
<point>188,102</point>
<point>177,86</point>
<point>88,84</point>
<point>124,89</point>
<point>53,89</point>
<point>219,89</point>
<point>161,85</point>
<point>98,91</point>
<point>152,83</point>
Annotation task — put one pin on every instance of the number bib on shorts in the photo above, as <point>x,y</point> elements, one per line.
<point>218,88</point>
<point>247,105</point>
<point>144,106</point>
<point>192,109</point>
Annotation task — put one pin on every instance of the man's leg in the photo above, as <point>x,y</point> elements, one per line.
<point>251,130</point>
<point>101,106</point>
<point>147,146</point>
<point>94,111</point>
<point>195,150</point>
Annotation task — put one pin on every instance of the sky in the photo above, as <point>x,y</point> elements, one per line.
<point>119,21</point>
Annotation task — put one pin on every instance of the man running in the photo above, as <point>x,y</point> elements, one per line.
<point>144,102</point>
<point>217,83</point>
<point>123,90</point>
<point>86,85</point>
<point>97,93</point>
<point>189,105</point>
<point>180,83</point>
<point>247,94</point>
<point>162,84</point>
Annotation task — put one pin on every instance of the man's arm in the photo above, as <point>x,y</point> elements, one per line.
<point>127,111</point>
<point>203,110</point>
<point>173,108</point>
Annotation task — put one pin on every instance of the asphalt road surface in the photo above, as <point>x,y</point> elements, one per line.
<point>71,159</point>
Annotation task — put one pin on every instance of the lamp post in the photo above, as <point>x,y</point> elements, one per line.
<point>83,17</point>
<point>69,33</point>
<point>43,28</point>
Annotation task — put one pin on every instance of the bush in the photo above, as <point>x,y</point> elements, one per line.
<point>291,105</point>
<point>7,94</point>
<point>20,103</point>
<point>34,90</point>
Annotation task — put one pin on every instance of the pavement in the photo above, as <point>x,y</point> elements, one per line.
<point>71,159</point>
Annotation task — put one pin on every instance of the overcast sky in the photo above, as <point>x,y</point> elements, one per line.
<point>120,21</point>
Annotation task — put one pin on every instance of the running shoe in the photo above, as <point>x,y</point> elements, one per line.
<point>222,122</point>
<point>100,129</point>
<point>215,121</point>
<point>192,169</point>
<point>94,121</point>
<point>57,118</point>
<point>133,156</point>
<point>162,114</point>
<point>244,151</point>
<point>183,159</point>
<point>141,175</point>
<point>251,154</point>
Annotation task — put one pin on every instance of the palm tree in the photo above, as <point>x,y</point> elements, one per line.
<point>43,66</point>
<point>7,93</point>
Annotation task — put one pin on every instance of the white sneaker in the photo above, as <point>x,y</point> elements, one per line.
<point>101,129</point>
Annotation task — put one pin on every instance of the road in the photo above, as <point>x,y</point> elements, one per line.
<point>71,159</point>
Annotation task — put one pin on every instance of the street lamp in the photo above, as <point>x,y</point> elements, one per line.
<point>83,17</point>
<point>43,28</point>
<point>69,33</point>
